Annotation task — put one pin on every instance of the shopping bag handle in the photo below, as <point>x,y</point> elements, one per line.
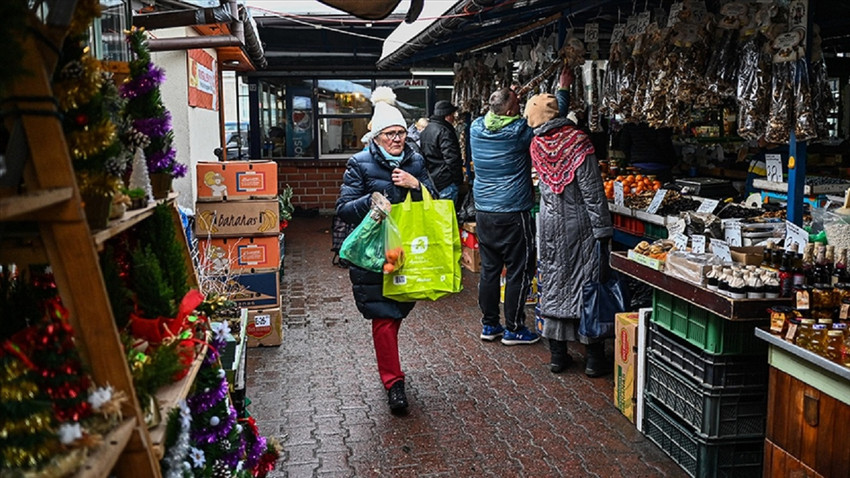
<point>426,199</point>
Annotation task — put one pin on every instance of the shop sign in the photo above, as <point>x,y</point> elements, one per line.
<point>202,80</point>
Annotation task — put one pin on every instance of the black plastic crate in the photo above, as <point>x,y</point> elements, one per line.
<point>700,457</point>
<point>713,413</point>
<point>708,370</point>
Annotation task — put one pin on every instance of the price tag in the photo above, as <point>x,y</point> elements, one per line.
<point>675,9</point>
<point>618,193</point>
<point>617,33</point>
<point>643,21</point>
<point>680,241</point>
<point>795,234</point>
<point>264,320</point>
<point>721,249</point>
<point>698,244</point>
<point>773,164</point>
<point>732,234</point>
<point>632,26</point>
<point>708,206</point>
<point>676,227</point>
<point>656,201</point>
<point>591,33</point>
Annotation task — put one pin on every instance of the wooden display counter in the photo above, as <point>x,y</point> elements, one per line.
<point>808,410</point>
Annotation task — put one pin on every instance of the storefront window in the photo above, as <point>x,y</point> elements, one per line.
<point>107,32</point>
<point>344,110</point>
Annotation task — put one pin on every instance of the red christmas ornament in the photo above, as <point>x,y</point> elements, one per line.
<point>81,119</point>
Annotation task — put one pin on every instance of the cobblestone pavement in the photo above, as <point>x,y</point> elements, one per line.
<point>476,408</point>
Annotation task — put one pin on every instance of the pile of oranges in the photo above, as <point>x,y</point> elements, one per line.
<point>395,259</point>
<point>632,184</point>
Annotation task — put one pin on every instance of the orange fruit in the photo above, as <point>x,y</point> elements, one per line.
<point>392,256</point>
<point>388,268</point>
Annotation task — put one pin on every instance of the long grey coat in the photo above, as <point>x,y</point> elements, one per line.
<point>568,226</point>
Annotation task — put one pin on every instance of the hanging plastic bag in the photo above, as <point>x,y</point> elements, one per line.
<point>602,300</point>
<point>393,250</point>
<point>364,247</point>
<point>431,249</point>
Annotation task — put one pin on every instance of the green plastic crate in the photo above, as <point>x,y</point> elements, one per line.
<point>654,231</point>
<point>708,331</point>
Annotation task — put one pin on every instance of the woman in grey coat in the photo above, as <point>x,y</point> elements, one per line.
<point>573,217</point>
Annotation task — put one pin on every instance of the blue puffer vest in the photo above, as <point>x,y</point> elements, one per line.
<point>502,167</point>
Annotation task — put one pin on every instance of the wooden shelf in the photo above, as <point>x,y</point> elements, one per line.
<point>15,207</point>
<point>100,463</point>
<point>730,309</point>
<point>167,398</point>
<point>128,220</point>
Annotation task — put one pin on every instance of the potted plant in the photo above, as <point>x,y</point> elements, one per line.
<point>137,197</point>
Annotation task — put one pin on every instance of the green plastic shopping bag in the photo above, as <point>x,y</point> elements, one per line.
<point>430,239</point>
<point>364,247</point>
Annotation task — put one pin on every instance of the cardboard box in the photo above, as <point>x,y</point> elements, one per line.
<point>470,258</point>
<point>645,315</point>
<point>747,255</point>
<point>265,327</point>
<point>625,366</point>
<point>236,180</point>
<point>237,219</point>
<point>254,291</point>
<point>241,254</point>
<point>469,227</point>
<point>530,298</point>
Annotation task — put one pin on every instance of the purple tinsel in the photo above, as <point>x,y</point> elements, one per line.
<point>203,401</point>
<point>233,459</point>
<point>143,84</point>
<point>256,451</point>
<point>161,161</point>
<point>154,127</point>
<point>178,170</point>
<point>212,434</point>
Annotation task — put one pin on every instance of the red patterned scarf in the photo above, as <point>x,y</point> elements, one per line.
<point>558,154</point>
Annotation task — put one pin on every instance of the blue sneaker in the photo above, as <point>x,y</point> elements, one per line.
<point>492,332</point>
<point>522,336</point>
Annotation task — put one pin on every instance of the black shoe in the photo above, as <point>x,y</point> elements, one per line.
<point>397,400</point>
<point>597,364</point>
<point>561,359</point>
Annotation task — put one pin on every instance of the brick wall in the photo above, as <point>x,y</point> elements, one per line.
<point>315,184</point>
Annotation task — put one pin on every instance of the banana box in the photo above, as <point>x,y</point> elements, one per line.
<point>237,219</point>
<point>220,255</point>
<point>236,180</point>
<point>253,291</point>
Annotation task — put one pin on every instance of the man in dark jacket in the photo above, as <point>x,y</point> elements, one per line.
<point>440,147</point>
<point>504,197</point>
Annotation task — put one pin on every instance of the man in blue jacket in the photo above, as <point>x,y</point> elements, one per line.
<point>504,196</point>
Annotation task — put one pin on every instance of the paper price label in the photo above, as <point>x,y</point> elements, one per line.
<point>675,9</point>
<point>677,227</point>
<point>721,249</point>
<point>656,201</point>
<point>264,320</point>
<point>795,234</point>
<point>591,33</point>
<point>773,164</point>
<point>617,33</point>
<point>732,234</point>
<point>698,244</point>
<point>708,206</point>
<point>680,241</point>
<point>643,21</point>
<point>632,26</point>
<point>618,193</point>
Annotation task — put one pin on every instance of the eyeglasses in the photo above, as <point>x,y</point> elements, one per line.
<point>394,135</point>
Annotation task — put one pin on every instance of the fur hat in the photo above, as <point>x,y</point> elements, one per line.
<point>540,109</point>
<point>385,113</point>
<point>444,108</point>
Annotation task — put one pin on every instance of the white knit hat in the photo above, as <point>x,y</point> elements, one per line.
<point>385,113</point>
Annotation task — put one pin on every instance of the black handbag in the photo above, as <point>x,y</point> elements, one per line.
<point>602,300</point>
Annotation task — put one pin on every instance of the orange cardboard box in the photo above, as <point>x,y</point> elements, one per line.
<point>625,367</point>
<point>470,258</point>
<point>236,180</point>
<point>244,254</point>
<point>237,218</point>
<point>265,327</point>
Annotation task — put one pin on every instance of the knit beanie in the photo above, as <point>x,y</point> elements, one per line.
<point>385,113</point>
<point>540,109</point>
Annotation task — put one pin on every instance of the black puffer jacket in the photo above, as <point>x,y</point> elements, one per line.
<point>368,172</point>
<point>441,150</point>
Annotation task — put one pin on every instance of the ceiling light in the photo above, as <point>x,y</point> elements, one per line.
<point>432,72</point>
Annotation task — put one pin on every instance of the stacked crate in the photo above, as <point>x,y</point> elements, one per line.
<point>706,390</point>
<point>237,224</point>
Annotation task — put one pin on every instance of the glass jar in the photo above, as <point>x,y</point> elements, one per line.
<point>822,297</point>
<point>844,310</point>
<point>779,317</point>
<point>834,345</point>
<point>805,333</point>
<point>803,297</point>
<point>823,314</point>
<point>818,342</point>
<point>841,292</point>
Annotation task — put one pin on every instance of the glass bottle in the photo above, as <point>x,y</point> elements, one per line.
<point>820,266</point>
<point>809,263</point>
<point>829,262</point>
<point>834,345</point>
<point>805,333</point>
<point>786,283</point>
<point>839,272</point>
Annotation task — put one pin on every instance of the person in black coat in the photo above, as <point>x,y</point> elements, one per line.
<point>388,166</point>
<point>441,149</point>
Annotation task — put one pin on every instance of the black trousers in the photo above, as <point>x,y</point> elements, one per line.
<point>505,240</point>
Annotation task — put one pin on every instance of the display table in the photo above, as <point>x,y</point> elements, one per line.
<point>808,411</point>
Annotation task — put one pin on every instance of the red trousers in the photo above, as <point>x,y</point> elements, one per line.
<point>385,338</point>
